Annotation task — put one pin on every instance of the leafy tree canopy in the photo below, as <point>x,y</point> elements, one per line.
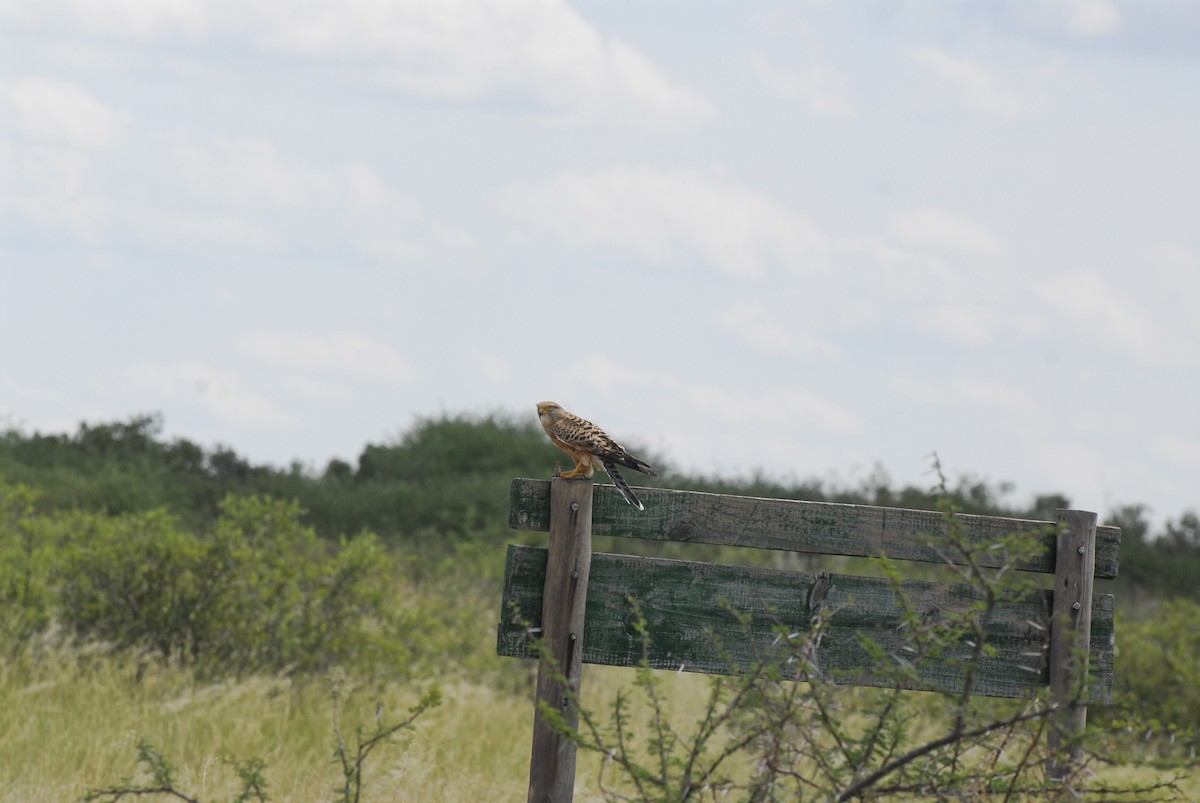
<point>448,477</point>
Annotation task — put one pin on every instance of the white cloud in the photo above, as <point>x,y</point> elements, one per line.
<point>47,186</point>
<point>1092,303</point>
<point>1182,452</point>
<point>672,216</point>
<point>1083,19</point>
<point>976,86</point>
<point>243,173</point>
<point>707,425</point>
<point>963,390</point>
<point>203,232</point>
<point>825,92</point>
<point>345,353</point>
<point>245,191</point>
<point>955,319</point>
<point>466,49</point>
<point>222,392</point>
<point>214,196</point>
<point>1176,266</point>
<point>143,20</point>
<point>936,272</point>
<point>542,50</point>
<point>988,393</point>
<point>393,229</point>
<point>1091,18</point>
<point>492,368</point>
<point>939,230</point>
<point>759,328</point>
<point>401,235</point>
<point>1167,289</point>
<point>61,112</point>
<point>606,374</point>
<point>1077,469</point>
<point>205,195</point>
<point>365,185</point>
<point>785,410</point>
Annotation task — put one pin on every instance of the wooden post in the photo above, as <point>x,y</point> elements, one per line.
<point>1070,631</point>
<point>552,764</point>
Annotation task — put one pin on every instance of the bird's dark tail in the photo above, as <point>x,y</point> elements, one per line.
<point>626,459</point>
<point>622,486</point>
<point>642,466</point>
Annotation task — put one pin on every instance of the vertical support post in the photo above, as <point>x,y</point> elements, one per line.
<point>1071,632</point>
<point>564,596</point>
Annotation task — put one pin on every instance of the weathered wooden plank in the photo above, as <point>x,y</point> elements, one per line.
<point>1070,633</point>
<point>784,524</point>
<point>560,674</point>
<point>680,602</point>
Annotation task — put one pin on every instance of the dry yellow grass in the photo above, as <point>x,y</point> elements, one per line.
<point>68,724</point>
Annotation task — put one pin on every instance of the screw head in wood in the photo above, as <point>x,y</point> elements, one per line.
<point>1076,605</point>
<point>1082,550</point>
<point>574,506</point>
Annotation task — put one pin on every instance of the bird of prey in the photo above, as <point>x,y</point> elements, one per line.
<point>590,447</point>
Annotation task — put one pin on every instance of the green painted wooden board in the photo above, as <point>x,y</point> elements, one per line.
<point>680,602</point>
<point>782,524</point>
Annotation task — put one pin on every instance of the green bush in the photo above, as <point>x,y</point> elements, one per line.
<point>27,557</point>
<point>256,590</point>
<point>1158,669</point>
<point>259,593</point>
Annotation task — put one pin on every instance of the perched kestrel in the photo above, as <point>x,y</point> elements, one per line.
<point>590,447</point>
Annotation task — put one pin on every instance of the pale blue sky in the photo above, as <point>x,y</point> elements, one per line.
<point>800,237</point>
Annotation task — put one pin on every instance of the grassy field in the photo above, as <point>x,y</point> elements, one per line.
<point>70,722</point>
<point>68,726</point>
